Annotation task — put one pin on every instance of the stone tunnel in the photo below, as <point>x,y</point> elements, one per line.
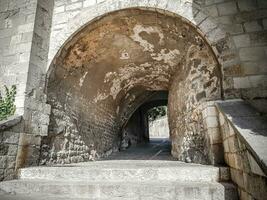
<point>84,75</point>
<point>114,65</point>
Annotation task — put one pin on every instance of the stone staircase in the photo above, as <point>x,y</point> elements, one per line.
<point>121,180</point>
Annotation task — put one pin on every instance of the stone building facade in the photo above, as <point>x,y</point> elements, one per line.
<point>82,67</point>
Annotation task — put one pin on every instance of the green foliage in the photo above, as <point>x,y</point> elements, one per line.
<point>157,112</point>
<point>7,106</point>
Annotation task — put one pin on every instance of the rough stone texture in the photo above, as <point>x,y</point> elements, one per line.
<point>16,31</point>
<point>93,84</point>
<point>216,19</point>
<point>24,33</point>
<point>122,180</point>
<point>9,122</point>
<point>234,37</point>
<point>9,140</point>
<point>244,140</point>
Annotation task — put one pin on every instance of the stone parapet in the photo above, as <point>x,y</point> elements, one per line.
<point>244,138</point>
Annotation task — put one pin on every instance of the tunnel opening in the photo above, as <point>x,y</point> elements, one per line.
<point>146,134</point>
<point>116,64</point>
<point>158,127</point>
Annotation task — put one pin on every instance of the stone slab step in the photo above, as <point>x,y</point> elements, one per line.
<point>125,171</point>
<point>163,190</point>
<point>35,197</point>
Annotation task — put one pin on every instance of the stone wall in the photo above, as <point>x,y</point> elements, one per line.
<point>242,54</point>
<point>213,136</point>
<point>244,140</point>
<point>16,32</point>
<point>159,128</point>
<point>36,116</point>
<point>25,33</point>
<point>9,140</point>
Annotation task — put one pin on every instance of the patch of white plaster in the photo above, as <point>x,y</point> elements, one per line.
<point>100,96</point>
<point>168,58</point>
<point>82,79</point>
<point>145,65</point>
<point>144,43</point>
<point>152,76</point>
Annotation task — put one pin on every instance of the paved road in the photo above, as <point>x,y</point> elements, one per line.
<point>156,149</point>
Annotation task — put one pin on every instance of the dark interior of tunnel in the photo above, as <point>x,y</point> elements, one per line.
<point>136,140</point>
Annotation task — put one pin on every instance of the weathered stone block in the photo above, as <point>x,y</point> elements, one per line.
<point>241,82</point>
<point>255,185</point>
<point>11,162</point>
<point>237,177</point>
<point>233,144</point>
<point>25,28</point>
<point>231,131</point>
<point>29,139</point>
<point>209,111</point>
<point>258,38</point>
<point>253,26</point>
<point>227,8</point>
<point>3,162</point>
<point>226,146</point>
<point>212,10</point>
<point>242,40</point>
<point>221,119</point>
<point>255,168</point>
<point>10,137</point>
<point>244,195</point>
<point>225,174</point>
<point>251,68</point>
<point>59,9</point>
<point>3,149</point>
<point>247,5</point>
<point>12,150</point>
<point>207,25</point>
<point>88,3</point>
<point>217,154</point>
<point>74,6</point>
<point>211,122</point>
<point>233,29</point>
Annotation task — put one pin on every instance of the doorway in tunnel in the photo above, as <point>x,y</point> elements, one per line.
<point>146,134</point>
<point>158,126</point>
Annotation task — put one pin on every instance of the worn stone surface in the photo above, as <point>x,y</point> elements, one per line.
<point>121,58</point>
<point>10,122</point>
<point>244,140</point>
<point>123,179</point>
<point>8,151</point>
<point>95,81</point>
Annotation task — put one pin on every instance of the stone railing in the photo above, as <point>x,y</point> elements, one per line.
<point>244,135</point>
<point>9,142</point>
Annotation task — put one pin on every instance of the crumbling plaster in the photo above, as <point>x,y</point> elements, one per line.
<point>113,61</point>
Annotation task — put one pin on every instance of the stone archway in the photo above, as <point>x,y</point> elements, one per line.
<point>113,64</point>
<point>135,130</point>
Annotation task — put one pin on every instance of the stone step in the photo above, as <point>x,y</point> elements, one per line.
<point>164,190</point>
<point>36,197</point>
<point>126,171</point>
